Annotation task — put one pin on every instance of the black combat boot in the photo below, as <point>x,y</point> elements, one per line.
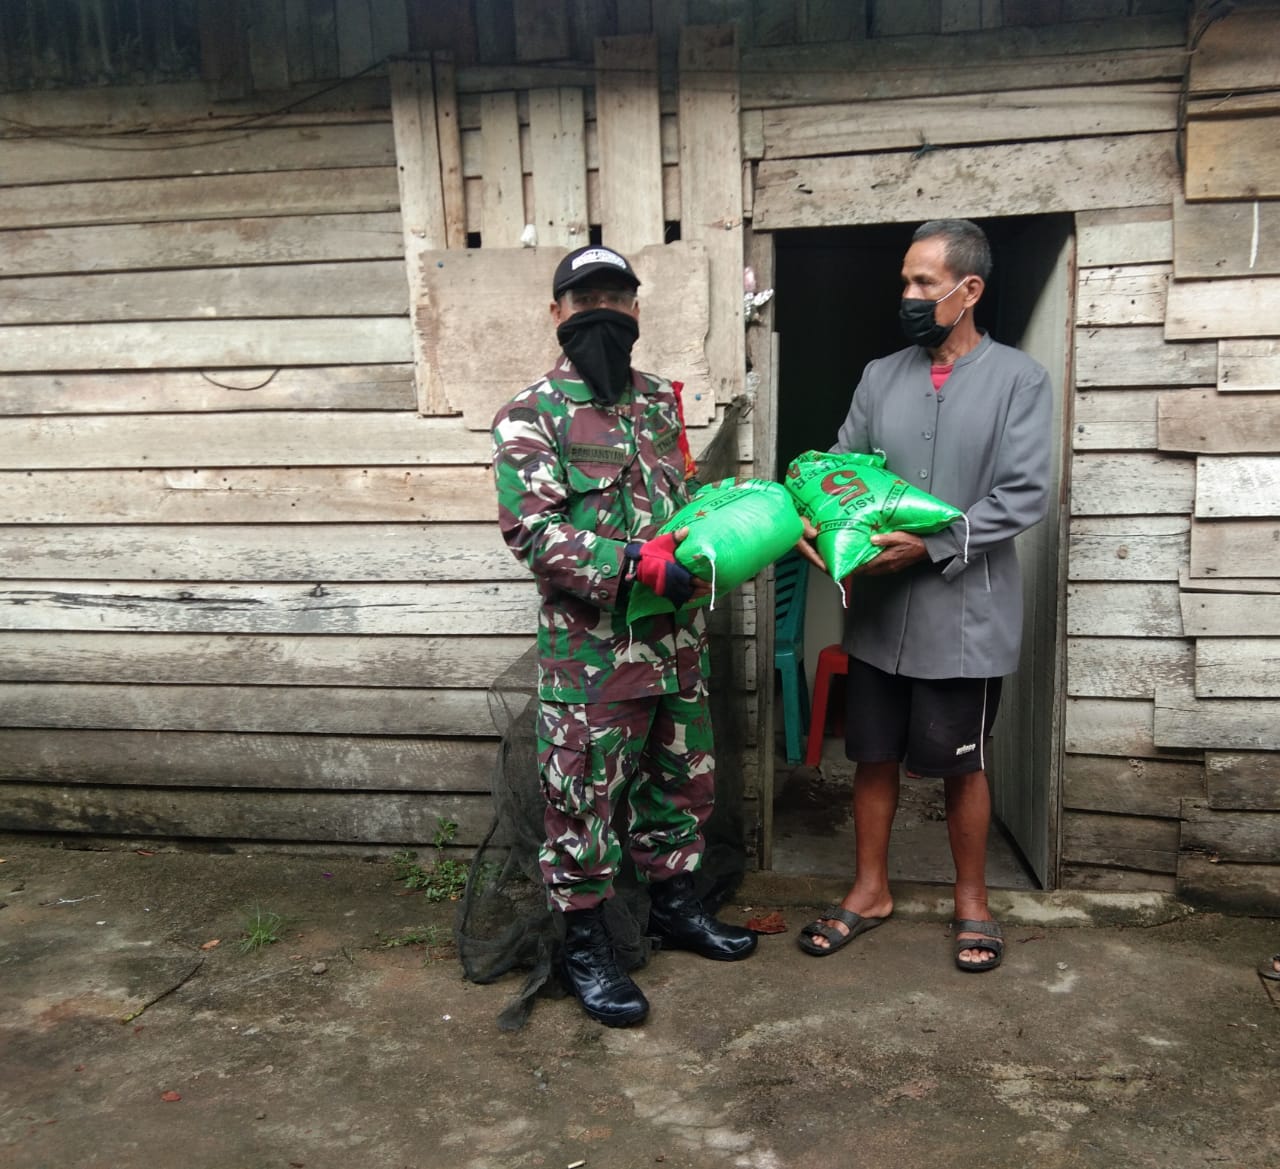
<point>591,972</point>
<point>677,918</point>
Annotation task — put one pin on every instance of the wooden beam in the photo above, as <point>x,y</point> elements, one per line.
<point>370,551</point>
<point>417,154</point>
<point>1124,235</point>
<point>312,438</point>
<point>1229,667</point>
<point>1249,366</point>
<point>1233,158</point>
<point>308,662</point>
<point>1123,609</point>
<point>1215,240</point>
<point>949,120</point>
<point>1140,356</point>
<point>238,196</point>
<point>1243,779</point>
<point>1236,53</point>
<point>1030,178</point>
<point>627,116</point>
<point>202,244</point>
<point>449,144</point>
<point>206,344</point>
<point>1130,787</point>
<point>1131,484</point>
<point>503,173</point>
<point>1237,486</point>
<point>321,387</point>
<point>1183,720</point>
<point>1128,547</point>
<point>1210,423</point>
<point>711,195</point>
<point>557,142</point>
<point>1126,667</point>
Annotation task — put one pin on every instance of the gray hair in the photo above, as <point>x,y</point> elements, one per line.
<point>967,250</point>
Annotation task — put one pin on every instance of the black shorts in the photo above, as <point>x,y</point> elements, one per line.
<point>938,727</point>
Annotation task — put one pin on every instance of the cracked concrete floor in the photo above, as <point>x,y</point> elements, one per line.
<point>1106,1046</point>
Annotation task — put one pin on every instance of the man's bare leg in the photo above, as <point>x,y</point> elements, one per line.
<point>875,800</point>
<point>968,800</point>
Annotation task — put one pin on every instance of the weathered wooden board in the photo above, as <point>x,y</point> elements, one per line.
<point>417,151</point>
<point>252,148</point>
<point>1243,779</point>
<point>1127,547</point>
<point>1228,307</point>
<point>1237,52</point>
<point>1031,178</point>
<point>1212,584</point>
<point>1249,365</point>
<point>192,759</point>
<point>202,243</point>
<point>627,114</point>
<point>449,146</point>
<point>1183,720</point>
<point>1214,240</point>
<point>370,551</point>
<point>1206,614</point>
<point>1242,548</point>
<point>333,710</point>
<point>503,174</point>
<point>312,192</point>
<point>1101,879</point>
<point>1252,890</point>
<point>472,298</point>
<point>332,387</point>
<point>1231,667</point>
<point>391,818</point>
<point>945,120</point>
<point>542,30</point>
<point>1131,484</point>
<point>196,607</point>
<point>711,192</point>
<point>1207,422</point>
<point>1081,53</point>
<point>1109,726</point>
<point>204,344</point>
<point>1133,294</point>
<point>1239,485</point>
<point>1126,667</point>
<point>1131,787</point>
<point>1124,235</point>
<point>246,439</point>
<point>558,156</point>
<point>1239,836</point>
<point>1123,609</point>
<point>1140,356</point>
<point>1129,842</point>
<point>311,662</point>
<point>272,495</point>
<point>359,288</point>
<point>1233,158</point>
<point>1116,419</point>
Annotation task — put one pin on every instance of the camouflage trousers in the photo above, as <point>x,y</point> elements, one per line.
<point>658,754</point>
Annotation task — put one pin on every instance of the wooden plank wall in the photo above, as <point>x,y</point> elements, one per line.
<point>1224,296</point>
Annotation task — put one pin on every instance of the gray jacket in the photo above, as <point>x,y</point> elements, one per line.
<point>982,444</point>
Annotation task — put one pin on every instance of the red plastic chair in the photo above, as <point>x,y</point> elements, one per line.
<point>832,662</point>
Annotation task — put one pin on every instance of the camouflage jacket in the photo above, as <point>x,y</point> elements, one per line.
<point>576,482</point>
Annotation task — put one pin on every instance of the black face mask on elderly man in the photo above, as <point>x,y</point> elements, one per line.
<point>920,325</point>
<point>599,342</point>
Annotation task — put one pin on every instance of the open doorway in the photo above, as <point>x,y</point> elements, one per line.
<point>836,309</point>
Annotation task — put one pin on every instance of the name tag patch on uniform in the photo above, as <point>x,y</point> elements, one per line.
<point>581,452</point>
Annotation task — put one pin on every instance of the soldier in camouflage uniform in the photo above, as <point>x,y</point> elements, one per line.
<point>589,462</point>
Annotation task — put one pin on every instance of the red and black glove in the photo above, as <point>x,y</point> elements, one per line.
<point>653,563</point>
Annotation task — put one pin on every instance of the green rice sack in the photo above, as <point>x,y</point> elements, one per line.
<point>736,528</point>
<point>850,498</point>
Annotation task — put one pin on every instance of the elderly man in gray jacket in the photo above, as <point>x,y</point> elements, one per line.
<point>935,622</point>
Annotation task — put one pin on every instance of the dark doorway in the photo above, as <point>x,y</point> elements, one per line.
<point>837,292</point>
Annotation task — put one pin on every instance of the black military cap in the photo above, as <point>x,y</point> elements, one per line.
<point>580,265</point>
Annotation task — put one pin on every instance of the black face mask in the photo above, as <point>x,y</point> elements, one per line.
<point>920,325</point>
<point>599,342</point>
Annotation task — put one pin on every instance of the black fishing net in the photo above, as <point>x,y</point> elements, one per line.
<point>503,923</point>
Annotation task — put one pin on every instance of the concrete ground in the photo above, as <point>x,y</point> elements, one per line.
<point>1121,1031</point>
